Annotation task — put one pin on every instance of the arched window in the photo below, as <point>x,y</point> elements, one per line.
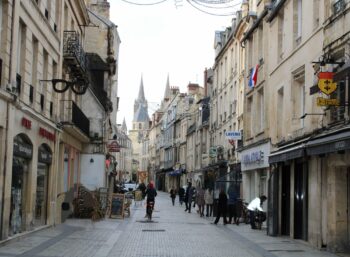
<point>140,126</point>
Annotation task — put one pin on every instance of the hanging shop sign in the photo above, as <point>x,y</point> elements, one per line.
<point>325,82</point>
<point>212,152</point>
<point>327,102</point>
<point>233,135</point>
<point>113,146</point>
<point>22,150</point>
<point>44,156</point>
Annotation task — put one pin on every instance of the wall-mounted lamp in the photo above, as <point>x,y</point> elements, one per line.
<point>91,160</point>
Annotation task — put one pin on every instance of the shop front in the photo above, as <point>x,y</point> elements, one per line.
<point>288,191</point>
<point>42,184</point>
<point>22,158</point>
<point>329,171</point>
<point>255,170</point>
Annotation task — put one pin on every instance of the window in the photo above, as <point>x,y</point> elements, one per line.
<point>260,42</point>
<point>298,95</point>
<point>140,126</point>
<point>297,21</point>
<point>42,102</point>
<point>51,109</point>
<point>18,84</point>
<point>249,116</point>
<point>280,120</point>
<point>316,13</point>
<point>21,47</point>
<point>338,112</point>
<point>261,112</point>
<point>280,21</point>
<point>31,94</point>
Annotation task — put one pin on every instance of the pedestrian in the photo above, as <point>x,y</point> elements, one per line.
<point>222,207</point>
<point>188,197</point>
<point>232,205</point>
<point>173,195</point>
<point>253,206</point>
<point>200,201</point>
<point>194,195</point>
<point>181,194</point>
<point>142,187</point>
<point>209,200</point>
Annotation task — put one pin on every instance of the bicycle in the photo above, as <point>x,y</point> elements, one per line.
<point>149,209</point>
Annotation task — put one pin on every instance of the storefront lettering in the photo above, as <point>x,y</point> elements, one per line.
<point>44,133</point>
<point>26,123</point>
<point>339,145</point>
<point>22,150</point>
<point>254,157</point>
<point>45,157</point>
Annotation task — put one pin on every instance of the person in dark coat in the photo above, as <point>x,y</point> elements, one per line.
<point>188,197</point>
<point>181,195</point>
<point>222,207</point>
<point>232,205</point>
<point>142,187</point>
<point>173,195</point>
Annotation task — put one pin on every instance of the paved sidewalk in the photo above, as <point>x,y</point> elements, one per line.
<point>173,233</point>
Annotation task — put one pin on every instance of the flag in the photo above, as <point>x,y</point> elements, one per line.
<point>253,76</point>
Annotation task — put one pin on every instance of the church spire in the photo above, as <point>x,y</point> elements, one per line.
<point>167,90</point>
<point>141,97</point>
<point>124,128</point>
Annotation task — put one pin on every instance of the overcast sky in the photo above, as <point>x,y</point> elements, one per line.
<point>159,40</point>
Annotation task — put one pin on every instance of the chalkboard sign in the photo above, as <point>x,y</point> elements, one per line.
<point>117,206</point>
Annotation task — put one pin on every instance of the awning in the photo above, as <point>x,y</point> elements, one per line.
<point>329,143</point>
<point>343,72</point>
<point>289,152</point>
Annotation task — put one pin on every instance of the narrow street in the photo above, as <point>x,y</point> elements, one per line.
<point>172,233</point>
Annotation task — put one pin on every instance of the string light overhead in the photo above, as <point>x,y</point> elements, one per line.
<point>211,7</point>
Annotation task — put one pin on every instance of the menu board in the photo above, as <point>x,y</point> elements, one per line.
<point>117,206</point>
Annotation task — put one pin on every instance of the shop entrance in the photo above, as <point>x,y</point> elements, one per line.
<point>348,204</point>
<point>44,161</point>
<point>300,201</point>
<point>22,155</point>
<point>285,200</point>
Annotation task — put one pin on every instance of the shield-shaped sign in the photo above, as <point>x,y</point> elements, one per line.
<point>325,82</point>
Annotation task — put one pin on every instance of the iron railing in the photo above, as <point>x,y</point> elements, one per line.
<point>73,115</point>
<point>72,49</point>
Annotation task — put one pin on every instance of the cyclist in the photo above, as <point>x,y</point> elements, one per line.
<point>253,206</point>
<point>151,193</point>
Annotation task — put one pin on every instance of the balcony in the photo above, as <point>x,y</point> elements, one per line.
<point>74,55</point>
<point>74,120</point>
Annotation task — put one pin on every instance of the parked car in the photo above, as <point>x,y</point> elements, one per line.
<point>130,187</point>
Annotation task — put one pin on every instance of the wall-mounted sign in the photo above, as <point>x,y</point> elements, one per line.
<point>26,123</point>
<point>326,102</point>
<point>234,135</point>
<point>47,134</point>
<point>255,157</point>
<point>325,82</point>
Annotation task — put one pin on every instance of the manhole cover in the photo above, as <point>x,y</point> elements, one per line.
<point>153,230</point>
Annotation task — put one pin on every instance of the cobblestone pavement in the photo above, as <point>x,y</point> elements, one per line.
<point>173,233</point>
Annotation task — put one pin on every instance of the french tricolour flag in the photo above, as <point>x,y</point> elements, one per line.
<point>253,76</point>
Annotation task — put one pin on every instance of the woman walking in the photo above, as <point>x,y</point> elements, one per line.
<point>173,195</point>
<point>200,200</point>
<point>209,200</point>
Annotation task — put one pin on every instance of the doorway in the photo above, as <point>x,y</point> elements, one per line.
<point>285,200</point>
<point>300,200</point>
